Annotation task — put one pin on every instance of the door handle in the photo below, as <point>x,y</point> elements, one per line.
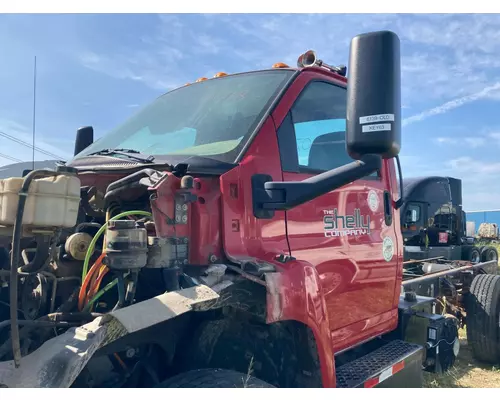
<point>387,208</point>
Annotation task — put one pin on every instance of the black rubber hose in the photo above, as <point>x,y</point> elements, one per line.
<point>63,309</point>
<point>121,293</point>
<point>14,259</point>
<point>85,225</point>
<point>41,254</point>
<point>41,324</point>
<point>79,316</point>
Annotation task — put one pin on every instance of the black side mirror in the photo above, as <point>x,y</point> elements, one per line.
<point>84,138</point>
<point>374,96</point>
<point>374,99</point>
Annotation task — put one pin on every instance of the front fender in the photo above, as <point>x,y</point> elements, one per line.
<point>59,361</point>
<point>295,294</point>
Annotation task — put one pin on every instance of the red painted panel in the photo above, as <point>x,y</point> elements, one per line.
<point>262,239</point>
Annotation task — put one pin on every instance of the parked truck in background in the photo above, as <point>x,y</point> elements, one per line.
<point>436,244</point>
<point>240,231</point>
<point>434,223</point>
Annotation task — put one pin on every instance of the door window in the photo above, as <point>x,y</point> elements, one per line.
<point>413,214</point>
<point>318,121</point>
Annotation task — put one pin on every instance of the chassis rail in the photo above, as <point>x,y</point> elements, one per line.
<point>451,271</point>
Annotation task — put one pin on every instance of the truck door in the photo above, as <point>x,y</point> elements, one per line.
<point>348,234</point>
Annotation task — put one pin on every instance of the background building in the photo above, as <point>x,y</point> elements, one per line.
<point>476,218</point>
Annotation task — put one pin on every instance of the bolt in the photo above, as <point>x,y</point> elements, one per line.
<point>213,258</point>
<point>184,207</point>
<point>178,207</point>
<point>184,218</point>
<point>178,218</point>
<point>130,352</point>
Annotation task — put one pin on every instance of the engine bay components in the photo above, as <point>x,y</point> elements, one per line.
<point>52,201</point>
<point>126,245</point>
<point>34,296</point>
<point>166,252</point>
<point>126,248</point>
<point>77,245</point>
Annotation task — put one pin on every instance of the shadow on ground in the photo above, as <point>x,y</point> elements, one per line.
<point>466,373</point>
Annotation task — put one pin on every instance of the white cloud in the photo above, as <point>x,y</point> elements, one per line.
<point>149,68</point>
<point>495,136</point>
<point>455,103</point>
<point>445,140</point>
<point>444,56</point>
<point>473,167</point>
<point>473,142</point>
<point>477,177</point>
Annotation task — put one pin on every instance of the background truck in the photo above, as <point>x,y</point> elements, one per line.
<point>434,223</point>
<point>436,245</point>
<point>240,231</point>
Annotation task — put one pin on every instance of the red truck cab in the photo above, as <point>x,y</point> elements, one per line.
<point>328,252</point>
<point>270,234</point>
<point>338,255</point>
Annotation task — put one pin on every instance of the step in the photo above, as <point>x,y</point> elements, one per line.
<point>386,362</point>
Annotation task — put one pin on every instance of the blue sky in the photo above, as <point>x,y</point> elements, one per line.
<point>98,69</point>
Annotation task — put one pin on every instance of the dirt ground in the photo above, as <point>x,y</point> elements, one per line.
<point>466,373</point>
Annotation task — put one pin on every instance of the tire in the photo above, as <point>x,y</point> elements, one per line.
<point>472,254</point>
<point>489,253</point>
<point>213,378</point>
<point>482,320</point>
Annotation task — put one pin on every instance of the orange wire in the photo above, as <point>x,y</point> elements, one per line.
<point>88,278</point>
<point>95,287</point>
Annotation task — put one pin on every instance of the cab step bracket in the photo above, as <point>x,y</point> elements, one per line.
<point>396,364</point>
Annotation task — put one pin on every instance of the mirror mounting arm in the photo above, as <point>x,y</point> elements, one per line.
<point>269,196</point>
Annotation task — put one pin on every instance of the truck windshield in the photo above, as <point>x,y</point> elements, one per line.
<point>212,118</point>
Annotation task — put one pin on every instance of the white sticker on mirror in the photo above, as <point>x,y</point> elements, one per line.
<point>376,128</point>
<point>370,119</point>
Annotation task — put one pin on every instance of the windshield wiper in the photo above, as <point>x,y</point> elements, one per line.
<point>123,152</point>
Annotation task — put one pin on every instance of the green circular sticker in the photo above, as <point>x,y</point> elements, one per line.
<point>387,249</point>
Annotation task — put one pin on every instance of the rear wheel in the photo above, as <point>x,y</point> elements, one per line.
<point>489,253</point>
<point>472,254</point>
<point>213,378</point>
<point>483,319</point>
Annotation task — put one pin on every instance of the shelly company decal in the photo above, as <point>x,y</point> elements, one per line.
<point>345,225</point>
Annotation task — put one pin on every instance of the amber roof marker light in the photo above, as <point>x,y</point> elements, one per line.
<point>280,65</point>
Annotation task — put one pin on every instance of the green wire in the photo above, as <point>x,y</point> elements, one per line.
<point>100,293</point>
<point>90,250</point>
